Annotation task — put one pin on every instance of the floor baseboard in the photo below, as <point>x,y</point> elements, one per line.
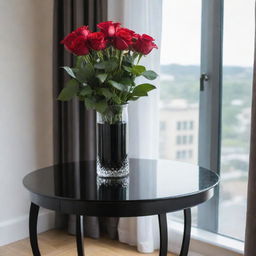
<point>17,229</point>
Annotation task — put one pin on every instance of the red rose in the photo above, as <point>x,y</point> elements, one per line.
<point>79,46</point>
<point>96,41</point>
<point>109,28</point>
<point>82,31</point>
<point>144,44</point>
<point>123,38</point>
<point>76,41</point>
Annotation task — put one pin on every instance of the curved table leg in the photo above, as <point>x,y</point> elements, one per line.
<point>33,216</point>
<point>187,232</point>
<point>79,235</point>
<point>163,234</point>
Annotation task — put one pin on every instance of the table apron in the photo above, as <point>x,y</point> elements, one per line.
<point>121,209</point>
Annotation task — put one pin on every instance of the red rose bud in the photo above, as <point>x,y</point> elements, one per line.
<point>123,39</point>
<point>109,28</point>
<point>83,31</point>
<point>144,44</point>
<point>96,41</point>
<point>76,41</point>
<point>135,37</point>
<point>68,40</point>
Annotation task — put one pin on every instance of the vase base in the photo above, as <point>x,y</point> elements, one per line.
<point>108,172</point>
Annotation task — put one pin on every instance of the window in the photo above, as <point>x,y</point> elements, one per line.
<point>178,155</point>
<point>236,108</point>
<point>191,125</point>
<point>184,139</point>
<point>162,126</point>
<point>183,154</point>
<point>178,140</point>
<point>184,125</point>
<point>178,126</point>
<point>226,119</point>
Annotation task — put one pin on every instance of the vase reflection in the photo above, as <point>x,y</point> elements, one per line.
<point>113,189</point>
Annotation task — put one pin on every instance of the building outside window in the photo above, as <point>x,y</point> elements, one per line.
<point>162,126</point>
<point>190,139</point>
<point>178,125</point>
<point>191,125</point>
<point>175,114</point>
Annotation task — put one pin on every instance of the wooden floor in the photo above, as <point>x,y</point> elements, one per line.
<point>58,243</point>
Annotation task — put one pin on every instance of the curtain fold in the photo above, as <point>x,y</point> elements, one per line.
<point>250,234</point>
<point>74,126</point>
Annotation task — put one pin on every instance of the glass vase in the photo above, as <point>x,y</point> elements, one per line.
<point>112,140</point>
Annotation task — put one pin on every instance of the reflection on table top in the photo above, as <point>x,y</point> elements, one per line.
<point>148,180</point>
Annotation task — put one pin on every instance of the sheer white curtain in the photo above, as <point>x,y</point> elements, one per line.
<point>142,16</point>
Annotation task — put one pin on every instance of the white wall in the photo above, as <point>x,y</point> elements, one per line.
<point>25,108</point>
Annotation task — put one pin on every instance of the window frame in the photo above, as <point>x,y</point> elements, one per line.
<point>209,144</point>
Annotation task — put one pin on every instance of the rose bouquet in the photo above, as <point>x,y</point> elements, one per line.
<point>107,64</point>
<point>104,78</point>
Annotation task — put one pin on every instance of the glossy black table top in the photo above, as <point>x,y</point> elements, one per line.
<point>148,180</point>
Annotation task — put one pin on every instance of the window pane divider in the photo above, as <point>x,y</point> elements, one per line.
<point>210,104</point>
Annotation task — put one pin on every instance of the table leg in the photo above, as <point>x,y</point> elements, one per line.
<point>33,216</point>
<point>163,234</point>
<point>186,232</point>
<point>79,235</point>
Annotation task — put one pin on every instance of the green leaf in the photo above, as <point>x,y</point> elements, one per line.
<point>106,93</point>
<point>102,77</point>
<point>111,65</point>
<point>100,65</point>
<point>69,91</point>
<point>86,91</point>
<point>89,103</point>
<point>135,55</point>
<point>101,106</point>
<point>117,85</point>
<point>128,58</point>
<point>138,70</point>
<point>116,99</point>
<point>126,81</point>
<point>134,98</point>
<point>70,71</point>
<point>128,69</point>
<point>85,74</point>
<point>150,74</point>
<point>142,89</point>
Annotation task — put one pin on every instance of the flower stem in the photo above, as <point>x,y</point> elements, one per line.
<point>121,54</point>
<point>87,59</point>
<point>139,59</point>
<point>108,54</point>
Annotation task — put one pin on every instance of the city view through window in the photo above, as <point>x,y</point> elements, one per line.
<point>179,99</point>
<point>236,114</point>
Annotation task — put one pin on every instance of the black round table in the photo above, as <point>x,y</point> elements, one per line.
<point>153,187</point>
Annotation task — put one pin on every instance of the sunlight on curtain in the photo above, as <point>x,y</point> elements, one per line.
<point>143,17</point>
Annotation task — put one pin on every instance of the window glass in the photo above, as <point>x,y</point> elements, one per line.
<point>236,108</point>
<point>179,99</point>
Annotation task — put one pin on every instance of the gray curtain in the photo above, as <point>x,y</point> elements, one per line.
<point>74,126</point>
<point>250,234</point>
